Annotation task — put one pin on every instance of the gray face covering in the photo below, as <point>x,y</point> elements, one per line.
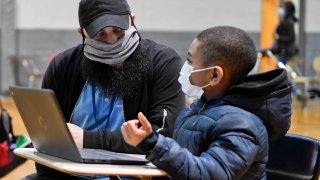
<point>112,54</point>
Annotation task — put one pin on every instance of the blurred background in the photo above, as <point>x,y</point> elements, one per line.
<point>33,31</point>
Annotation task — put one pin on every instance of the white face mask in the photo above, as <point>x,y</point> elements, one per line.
<point>189,89</point>
<point>281,12</point>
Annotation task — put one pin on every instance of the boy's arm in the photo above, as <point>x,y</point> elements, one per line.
<point>229,156</point>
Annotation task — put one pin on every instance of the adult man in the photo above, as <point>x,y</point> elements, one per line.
<point>112,76</point>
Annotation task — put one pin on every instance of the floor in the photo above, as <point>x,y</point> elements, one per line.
<point>304,121</point>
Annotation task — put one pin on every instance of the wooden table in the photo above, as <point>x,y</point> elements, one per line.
<point>69,167</point>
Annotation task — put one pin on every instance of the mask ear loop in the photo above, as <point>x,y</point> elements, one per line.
<point>135,27</point>
<point>83,37</point>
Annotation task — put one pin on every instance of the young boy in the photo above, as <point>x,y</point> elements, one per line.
<point>224,134</point>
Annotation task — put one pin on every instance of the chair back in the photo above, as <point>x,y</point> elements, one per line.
<point>294,157</point>
<point>316,66</point>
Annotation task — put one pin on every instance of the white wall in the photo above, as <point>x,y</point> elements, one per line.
<point>47,14</point>
<point>191,15</point>
<point>160,15</point>
<point>313,16</point>
<point>1,14</point>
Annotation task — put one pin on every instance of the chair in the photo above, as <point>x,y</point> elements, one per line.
<point>316,66</point>
<point>294,157</point>
<point>307,84</point>
<point>32,71</point>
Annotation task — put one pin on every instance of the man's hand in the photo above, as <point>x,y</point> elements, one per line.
<point>134,135</point>
<point>77,134</point>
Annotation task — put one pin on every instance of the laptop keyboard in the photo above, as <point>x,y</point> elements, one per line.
<point>102,154</point>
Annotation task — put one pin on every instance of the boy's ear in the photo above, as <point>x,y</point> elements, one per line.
<point>216,76</point>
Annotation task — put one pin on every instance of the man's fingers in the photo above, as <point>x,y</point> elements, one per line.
<point>76,133</point>
<point>124,130</point>
<point>144,121</point>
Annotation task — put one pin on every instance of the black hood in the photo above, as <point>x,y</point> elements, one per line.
<point>268,95</point>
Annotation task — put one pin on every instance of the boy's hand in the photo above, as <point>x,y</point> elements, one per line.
<point>134,135</point>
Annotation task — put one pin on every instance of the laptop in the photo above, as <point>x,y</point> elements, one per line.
<point>46,125</point>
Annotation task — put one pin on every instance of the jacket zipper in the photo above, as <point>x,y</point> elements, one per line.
<point>165,114</point>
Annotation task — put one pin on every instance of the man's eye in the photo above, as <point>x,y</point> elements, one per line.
<point>100,33</point>
<point>118,30</point>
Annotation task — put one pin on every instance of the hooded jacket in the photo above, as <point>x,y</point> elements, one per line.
<point>226,138</point>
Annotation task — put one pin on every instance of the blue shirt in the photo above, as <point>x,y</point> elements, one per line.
<point>96,111</point>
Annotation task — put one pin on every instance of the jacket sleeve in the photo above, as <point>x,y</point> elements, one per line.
<point>229,155</point>
<point>112,141</point>
<point>64,78</point>
<point>50,77</point>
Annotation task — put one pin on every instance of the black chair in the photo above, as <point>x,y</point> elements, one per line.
<point>294,157</point>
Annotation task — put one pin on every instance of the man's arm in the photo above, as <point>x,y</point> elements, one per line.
<point>166,97</point>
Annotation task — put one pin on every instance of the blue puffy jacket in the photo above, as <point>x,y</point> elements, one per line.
<point>226,138</point>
